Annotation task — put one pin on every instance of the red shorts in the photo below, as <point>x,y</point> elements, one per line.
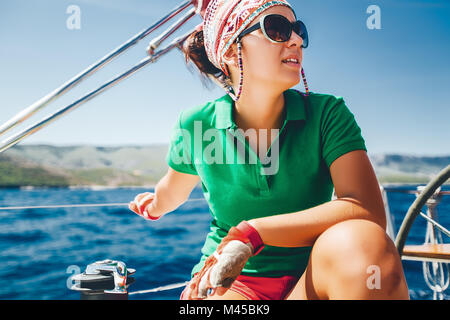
<point>261,288</point>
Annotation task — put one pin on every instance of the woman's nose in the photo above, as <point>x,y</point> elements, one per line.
<point>295,39</point>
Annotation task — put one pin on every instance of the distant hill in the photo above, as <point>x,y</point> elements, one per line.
<point>84,165</point>
<point>15,173</point>
<point>47,165</point>
<point>406,168</point>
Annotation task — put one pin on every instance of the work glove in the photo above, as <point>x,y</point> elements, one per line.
<point>226,263</point>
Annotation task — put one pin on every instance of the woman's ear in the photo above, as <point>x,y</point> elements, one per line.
<point>231,57</point>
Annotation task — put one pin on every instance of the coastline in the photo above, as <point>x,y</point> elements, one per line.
<point>152,186</point>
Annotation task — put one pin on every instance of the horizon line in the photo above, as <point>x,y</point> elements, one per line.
<point>443,155</point>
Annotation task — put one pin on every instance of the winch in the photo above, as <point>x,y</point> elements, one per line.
<point>104,280</point>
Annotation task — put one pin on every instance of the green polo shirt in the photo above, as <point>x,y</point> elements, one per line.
<point>292,176</point>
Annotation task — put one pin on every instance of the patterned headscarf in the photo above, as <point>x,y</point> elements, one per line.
<point>225,19</point>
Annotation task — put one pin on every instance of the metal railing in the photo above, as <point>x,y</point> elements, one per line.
<point>153,56</point>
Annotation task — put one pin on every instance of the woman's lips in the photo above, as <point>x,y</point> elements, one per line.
<point>292,64</point>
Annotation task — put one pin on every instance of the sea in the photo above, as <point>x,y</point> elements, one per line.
<point>42,248</point>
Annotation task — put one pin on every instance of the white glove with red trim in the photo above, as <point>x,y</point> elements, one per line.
<point>226,263</point>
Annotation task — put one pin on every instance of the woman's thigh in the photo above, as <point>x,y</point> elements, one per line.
<point>304,289</point>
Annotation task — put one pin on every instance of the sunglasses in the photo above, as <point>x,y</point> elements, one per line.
<point>278,28</point>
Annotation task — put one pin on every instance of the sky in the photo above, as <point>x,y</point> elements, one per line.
<point>395,79</point>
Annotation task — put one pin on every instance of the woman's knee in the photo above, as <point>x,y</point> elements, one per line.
<point>357,251</point>
<point>353,239</point>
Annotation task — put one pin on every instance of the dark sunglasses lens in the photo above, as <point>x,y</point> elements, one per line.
<point>300,29</point>
<point>278,28</point>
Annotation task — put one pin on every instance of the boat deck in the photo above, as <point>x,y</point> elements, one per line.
<point>430,252</point>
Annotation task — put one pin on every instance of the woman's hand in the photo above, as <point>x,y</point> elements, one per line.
<point>143,206</point>
<point>226,263</point>
<point>220,270</point>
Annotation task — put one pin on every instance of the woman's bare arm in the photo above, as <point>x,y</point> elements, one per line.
<point>172,191</point>
<point>359,197</point>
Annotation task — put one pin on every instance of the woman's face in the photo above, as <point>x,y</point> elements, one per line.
<point>263,60</point>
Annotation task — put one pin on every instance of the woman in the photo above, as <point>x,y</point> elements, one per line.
<point>275,234</point>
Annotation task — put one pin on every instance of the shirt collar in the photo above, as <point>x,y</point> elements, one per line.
<point>294,104</point>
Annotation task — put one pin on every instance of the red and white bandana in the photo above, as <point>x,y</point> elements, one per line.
<point>225,19</point>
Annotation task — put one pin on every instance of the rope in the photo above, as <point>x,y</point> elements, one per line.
<point>437,225</point>
<point>438,280</point>
<point>122,204</point>
<point>158,289</point>
<point>79,205</point>
<point>163,288</point>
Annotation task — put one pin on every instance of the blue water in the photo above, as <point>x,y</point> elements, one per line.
<point>40,247</point>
